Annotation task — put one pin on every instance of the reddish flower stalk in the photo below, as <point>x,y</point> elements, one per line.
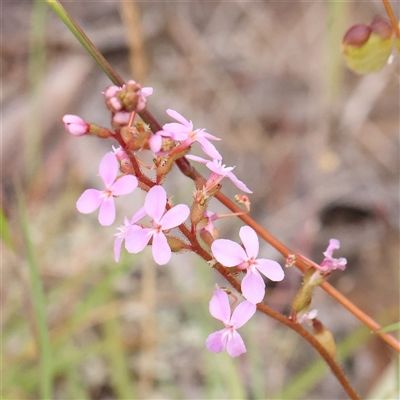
<point>392,17</point>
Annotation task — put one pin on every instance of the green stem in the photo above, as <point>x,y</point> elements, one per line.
<point>85,42</point>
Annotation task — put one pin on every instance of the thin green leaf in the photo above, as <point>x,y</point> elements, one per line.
<point>86,42</point>
<point>390,328</point>
<point>5,231</point>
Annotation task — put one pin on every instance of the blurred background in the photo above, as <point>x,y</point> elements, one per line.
<point>318,145</point>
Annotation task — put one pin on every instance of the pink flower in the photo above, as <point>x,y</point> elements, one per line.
<point>124,229</point>
<point>228,338</point>
<point>92,199</point>
<point>75,125</point>
<point>219,172</point>
<point>136,240</point>
<point>329,263</point>
<point>231,254</point>
<point>183,132</point>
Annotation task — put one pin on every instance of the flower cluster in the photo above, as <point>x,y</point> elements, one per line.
<point>120,171</point>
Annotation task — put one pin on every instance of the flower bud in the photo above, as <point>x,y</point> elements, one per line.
<point>197,212</point>
<point>176,244</point>
<point>75,125</point>
<point>382,28</point>
<point>302,300</point>
<point>324,336</point>
<point>357,35</point>
<point>367,48</point>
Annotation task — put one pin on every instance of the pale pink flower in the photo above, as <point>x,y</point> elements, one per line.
<point>219,172</point>
<point>75,125</point>
<point>124,229</point>
<point>329,263</point>
<point>231,254</point>
<point>182,131</point>
<point>155,203</point>
<point>92,199</point>
<point>228,338</point>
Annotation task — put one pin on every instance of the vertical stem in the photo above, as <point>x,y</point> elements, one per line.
<point>392,17</point>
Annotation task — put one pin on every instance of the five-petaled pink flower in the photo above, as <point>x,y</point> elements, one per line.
<point>128,226</point>
<point>231,254</point>
<point>182,131</point>
<point>228,338</point>
<point>329,263</point>
<point>92,199</point>
<point>155,203</point>
<point>219,172</point>
<point>75,125</point>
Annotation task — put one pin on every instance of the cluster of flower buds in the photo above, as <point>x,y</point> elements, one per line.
<point>121,173</point>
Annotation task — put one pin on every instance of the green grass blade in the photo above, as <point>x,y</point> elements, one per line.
<point>39,305</point>
<point>5,231</point>
<point>85,42</point>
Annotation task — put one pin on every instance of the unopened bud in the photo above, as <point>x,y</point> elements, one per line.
<point>176,244</point>
<point>75,125</point>
<point>207,238</point>
<point>357,35</point>
<point>382,28</point>
<point>302,300</point>
<point>197,212</point>
<point>324,336</point>
<point>367,48</point>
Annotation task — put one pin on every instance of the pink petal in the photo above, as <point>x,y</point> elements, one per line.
<point>219,306</point>
<point>197,159</point>
<point>125,185</point>
<point>218,168</point>
<point>243,312</point>
<point>334,244</point>
<point>155,143</point>
<point>156,200</point>
<point>89,201</point>
<point>253,287</point>
<point>108,169</point>
<point>209,149</point>
<point>146,91</point>
<point>177,131</point>
<point>271,269</point>
<point>235,346</point>
<point>117,248</point>
<point>208,136</point>
<point>239,184</point>
<point>107,212</point>
<point>121,117</point>
<point>138,215</point>
<point>175,115</point>
<point>175,216</point>
<point>228,253</point>
<point>216,342</point>
<point>249,240</point>
<point>137,239</point>
<point>161,250</point>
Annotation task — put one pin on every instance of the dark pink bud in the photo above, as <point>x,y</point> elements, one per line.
<point>75,125</point>
<point>382,28</point>
<point>357,35</point>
